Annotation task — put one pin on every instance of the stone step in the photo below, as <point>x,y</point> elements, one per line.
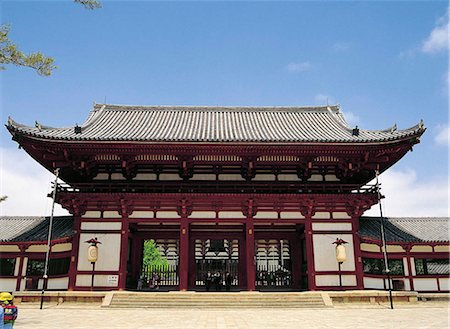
<point>216,300</point>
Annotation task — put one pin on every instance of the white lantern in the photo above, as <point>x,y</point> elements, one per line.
<point>92,253</point>
<point>341,255</point>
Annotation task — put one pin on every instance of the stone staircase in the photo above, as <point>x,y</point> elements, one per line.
<point>216,300</point>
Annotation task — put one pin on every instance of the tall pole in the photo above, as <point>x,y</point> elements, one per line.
<point>49,238</point>
<point>383,239</point>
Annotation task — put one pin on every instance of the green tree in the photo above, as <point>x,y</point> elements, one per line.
<point>43,65</point>
<point>152,256</point>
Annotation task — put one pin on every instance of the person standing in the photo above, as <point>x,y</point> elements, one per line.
<point>228,281</point>
<point>208,280</point>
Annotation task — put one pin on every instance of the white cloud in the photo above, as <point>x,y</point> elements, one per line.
<point>443,135</point>
<point>26,183</point>
<point>341,46</point>
<point>351,118</point>
<point>406,196</point>
<point>298,67</point>
<point>438,39</point>
<point>323,99</point>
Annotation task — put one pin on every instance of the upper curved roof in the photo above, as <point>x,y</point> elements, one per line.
<point>215,124</point>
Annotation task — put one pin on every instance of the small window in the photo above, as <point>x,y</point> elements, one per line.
<point>57,266</point>
<point>376,266</point>
<point>7,266</point>
<point>432,266</point>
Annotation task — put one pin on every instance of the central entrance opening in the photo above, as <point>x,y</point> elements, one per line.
<point>216,264</point>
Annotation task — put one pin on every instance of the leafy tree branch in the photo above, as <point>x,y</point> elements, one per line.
<point>9,54</point>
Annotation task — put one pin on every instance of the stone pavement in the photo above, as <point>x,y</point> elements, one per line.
<point>74,316</point>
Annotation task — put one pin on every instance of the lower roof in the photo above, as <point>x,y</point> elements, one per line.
<point>33,228</point>
<point>398,229</point>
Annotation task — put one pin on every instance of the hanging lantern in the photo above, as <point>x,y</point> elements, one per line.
<point>93,250</point>
<point>341,255</point>
<point>92,253</point>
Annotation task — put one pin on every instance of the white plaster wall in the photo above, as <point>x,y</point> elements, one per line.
<point>407,285</point>
<point>60,247</point>
<point>266,214</point>
<point>325,252</point>
<point>230,177</point>
<point>117,176</point>
<point>332,226</point>
<point>316,178</point>
<point>333,280</point>
<point>24,266</point>
<point>231,214</point>
<point>101,225</point>
<point>37,248</point>
<point>58,283</point>
<point>203,214</point>
<point>203,177</point>
<point>148,176</point>
<point>373,283</point>
<point>167,214</point>
<point>421,284</point>
<point>8,284</point>
<point>108,253</point>
<point>331,178</point>
<point>288,177</point>
<point>9,248</point>
<point>101,176</point>
<point>111,214</point>
<point>321,215</point>
<point>413,266</point>
<point>291,215</point>
<point>92,214</point>
<point>142,214</point>
<point>341,215</point>
<point>266,177</point>
<point>100,280</point>
<point>17,266</point>
<point>170,177</point>
<point>444,283</point>
<point>405,265</point>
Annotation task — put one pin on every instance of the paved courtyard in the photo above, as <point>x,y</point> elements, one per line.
<point>58,317</point>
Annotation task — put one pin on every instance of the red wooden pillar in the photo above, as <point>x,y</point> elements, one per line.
<point>184,255</point>
<point>74,253</point>
<point>296,260</point>
<point>20,273</point>
<point>408,261</point>
<point>310,253</point>
<point>358,255</point>
<point>242,277</point>
<point>250,253</point>
<point>192,265</point>
<point>123,253</point>
<point>136,257</point>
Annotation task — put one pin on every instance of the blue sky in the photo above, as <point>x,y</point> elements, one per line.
<point>383,62</point>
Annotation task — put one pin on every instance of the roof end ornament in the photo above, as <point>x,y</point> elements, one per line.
<point>38,125</point>
<point>77,129</point>
<point>394,128</point>
<point>355,131</point>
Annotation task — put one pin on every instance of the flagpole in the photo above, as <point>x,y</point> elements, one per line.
<point>49,238</point>
<point>383,240</point>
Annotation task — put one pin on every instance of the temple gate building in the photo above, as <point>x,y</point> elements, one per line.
<point>260,192</point>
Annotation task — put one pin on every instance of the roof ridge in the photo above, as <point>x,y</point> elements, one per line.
<point>321,108</point>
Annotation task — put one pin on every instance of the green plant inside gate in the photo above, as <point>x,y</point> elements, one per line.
<point>152,256</point>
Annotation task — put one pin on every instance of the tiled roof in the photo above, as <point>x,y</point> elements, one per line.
<point>23,229</point>
<point>215,124</point>
<point>407,229</point>
<point>14,226</point>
